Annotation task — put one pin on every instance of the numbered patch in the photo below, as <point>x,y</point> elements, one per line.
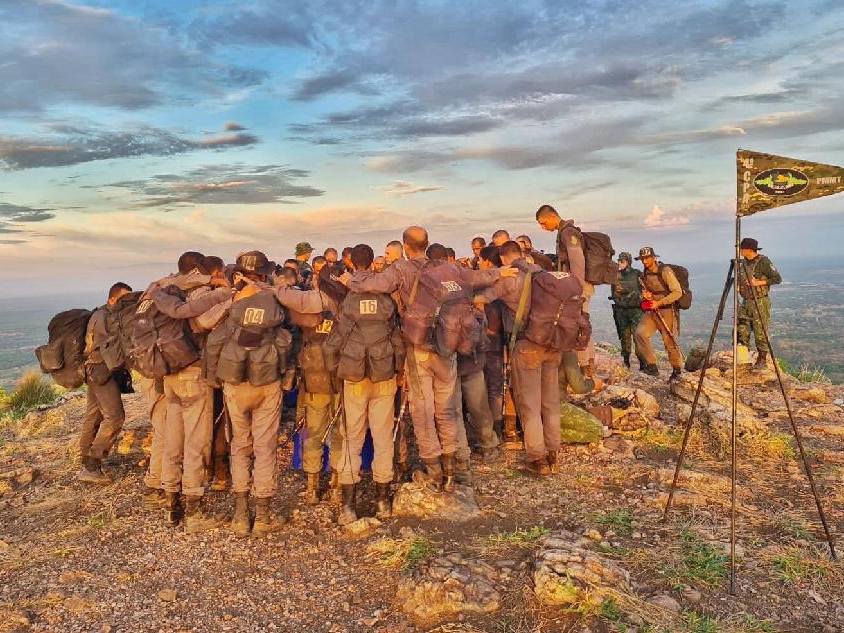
<point>452,286</point>
<point>561,275</point>
<point>574,240</point>
<point>325,326</point>
<point>368,306</point>
<point>144,306</point>
<point>253,316</point>
<point>249,262</point>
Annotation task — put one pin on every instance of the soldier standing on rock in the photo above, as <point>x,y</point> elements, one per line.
<point>626,309</point>
<point>763,275</point>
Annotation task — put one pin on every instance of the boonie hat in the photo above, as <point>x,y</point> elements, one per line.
<point>749,242</point>
<point>646,251</point>
<point>254,262</point>
<point>303,248</point>
<point>627,256</point>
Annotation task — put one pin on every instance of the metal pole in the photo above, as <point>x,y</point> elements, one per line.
<point>797,437</point>
<point>735,407</point>
<point>687,434</point>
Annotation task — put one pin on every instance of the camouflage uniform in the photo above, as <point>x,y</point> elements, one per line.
<point>760,267</point>
<point>626,312</point>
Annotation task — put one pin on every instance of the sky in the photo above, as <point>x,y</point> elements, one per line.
<point>133,131</point>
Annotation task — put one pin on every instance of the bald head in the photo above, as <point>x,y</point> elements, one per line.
<point>415,240</point>
<point>499,237</point>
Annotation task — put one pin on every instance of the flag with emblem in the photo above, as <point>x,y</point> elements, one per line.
<point>766,181</point>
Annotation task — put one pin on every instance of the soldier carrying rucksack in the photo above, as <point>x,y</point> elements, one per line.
<point>366,349</point>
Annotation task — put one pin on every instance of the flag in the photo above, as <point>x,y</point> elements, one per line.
<point>766,181</point>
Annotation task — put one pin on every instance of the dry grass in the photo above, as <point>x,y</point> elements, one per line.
<point>31,391</point>
<point>771,445</point>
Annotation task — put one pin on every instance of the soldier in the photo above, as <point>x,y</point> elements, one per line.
<point>661,290</point>
<point>496,339</point>
<point>303,256</point>
<point>247,354</point>
<point>499,237</point>
<point>533,256</point>
<point>432,376</point>
<point>763,275</point>
<point>393,252</point>
<point>477,244</point>
<point>571,259</point>
<point>189,422</point>
<point>535,367</point>
<point>314,312</point>
<point>626,309</point>
<point>318,264</point>
<point>330,255</point>
<point>104,414</point>
<point>367,350</point>
<point>347,258</point>
<point>378,264</point>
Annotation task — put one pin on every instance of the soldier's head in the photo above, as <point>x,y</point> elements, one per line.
<point>525,243</point>
<point>437,252</point>
<point>415,240</point>
<point>450,255</point>
<point>489,258</point>
<point>648,257</point>
<point>362,257</point>
<point>214,266</point>
<point>548,218</point>
<point>330,255</point>
<point>509,252</point>
<point>318,263</point>
<point>393,252</point>
<point>254,265</point>
<point>749,248</point>
<point>500,236</point>
<point>379,264</point>
<point>329,281</point>
<point>303,251</point>
<point>116,291</point>
<point>477,244</point>
<point>625,261</point>
<point>347,256</point>
<point>190,261</point>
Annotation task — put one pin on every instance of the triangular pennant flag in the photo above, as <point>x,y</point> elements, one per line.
<point>766,181</point>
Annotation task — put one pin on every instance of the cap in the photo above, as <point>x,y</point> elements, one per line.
<point>627,256</point>
<point>646,251</point>
<point>254,262</point>
<point>749,242</point>
<point>303,248</point>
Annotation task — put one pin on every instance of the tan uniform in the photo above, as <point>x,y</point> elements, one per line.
<point>153,393</point>
<point>667,290</point>
<point>189,416</point>
<point>432,378</point>
<point>104,414</point>
<point>369,405</point>
<point>572,259</point>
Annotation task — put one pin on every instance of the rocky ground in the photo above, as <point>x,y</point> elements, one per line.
<point>584,550</point>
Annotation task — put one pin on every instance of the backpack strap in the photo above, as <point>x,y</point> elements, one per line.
<point>415,288</point>
<point>520,311</point>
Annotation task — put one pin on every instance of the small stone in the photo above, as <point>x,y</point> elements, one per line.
<point>167,595</point>
<point>593,534</point>
<point>664,601</point>
<point>105,628</point>
<point>362,527</point>
<point>692,596</point>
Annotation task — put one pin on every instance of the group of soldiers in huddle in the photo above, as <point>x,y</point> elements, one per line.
<point>475,348</point>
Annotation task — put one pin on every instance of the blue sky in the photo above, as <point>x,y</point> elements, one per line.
<point>131,131</point>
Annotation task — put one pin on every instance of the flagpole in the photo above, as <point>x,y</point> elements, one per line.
<point>735,407</point>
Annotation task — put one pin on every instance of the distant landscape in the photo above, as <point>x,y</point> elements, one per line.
<point>807,324</point>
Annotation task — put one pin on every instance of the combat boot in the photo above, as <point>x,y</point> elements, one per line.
<point>196,520</point>
<point>675,374</point>
<point>241,521</point>
<point>761,360</point>
<point>266,522</point>
<point>448,471</point>
<point>347,508</point>
<point>92,472</point>
<point>335,494</point>
<point>642,364</point>
<point>651,370</point>
<point>491,455</point>
<point>400,472</point>
<point>588,369</point>
<point>154,499</point>
<point>511,436</point>
<point>221,476</point>
<point>498,428</point>
<point>312,488</point>
<point>553,464</point>
<point>173,505</point>
<point>539,467</point>
<point>463,472</point>
<point>383,503</point>
<point>433,475</point>
<point>626,358</point>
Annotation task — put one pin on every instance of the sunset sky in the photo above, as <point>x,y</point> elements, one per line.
<point>131,131</point>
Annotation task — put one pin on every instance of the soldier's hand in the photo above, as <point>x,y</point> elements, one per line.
<point>758,282</point>
<point>508,272</point>
<point>479,302</point>
<point>647,294</point>
<point>219,282</point>
<point>344,278</point>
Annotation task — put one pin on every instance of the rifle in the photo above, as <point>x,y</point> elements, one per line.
<point>402,409</point>
<point>301,414</point>
<point>507,369</point>
<point>333,421</point>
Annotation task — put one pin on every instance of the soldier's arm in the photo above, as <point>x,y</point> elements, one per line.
<point>675,290</point>
<point>574,251</point>
<point>574,376</point>
<point>481,278</point>
<point>769,271</point>
<point>370,281</point>
<point>178,308</point>
<point>302,301</point>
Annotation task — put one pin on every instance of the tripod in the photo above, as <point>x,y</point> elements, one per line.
<point>733,281</point>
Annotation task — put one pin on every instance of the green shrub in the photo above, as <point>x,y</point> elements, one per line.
<point>31,391</point>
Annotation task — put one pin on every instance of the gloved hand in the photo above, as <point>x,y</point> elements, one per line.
<point>647,305</point>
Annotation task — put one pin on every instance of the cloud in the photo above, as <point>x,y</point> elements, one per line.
<point>57,52</point>
<point>657,219</point>
<point>405,188</point>
<point>69,145</point>
<point>233,126</point>
<point>221,184</point>
<point>12,215</point>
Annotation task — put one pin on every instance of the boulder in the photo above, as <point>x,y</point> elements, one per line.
<point>449,586</point>
<point>565,571</point>
<point>417,500</point>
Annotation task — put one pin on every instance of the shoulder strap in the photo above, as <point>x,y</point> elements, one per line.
<point>415,287</point>
<point>520,311</point>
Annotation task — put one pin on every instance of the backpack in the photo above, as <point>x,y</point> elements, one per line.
<point>599,252</point>
<point>250,345</point>
<point>556,318</point>
<point>162,345</point>
<point>682,275</point>
<point>120,322</point>
<point>366,343</point>
<point>63,357</point>
<point>440,314</point>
